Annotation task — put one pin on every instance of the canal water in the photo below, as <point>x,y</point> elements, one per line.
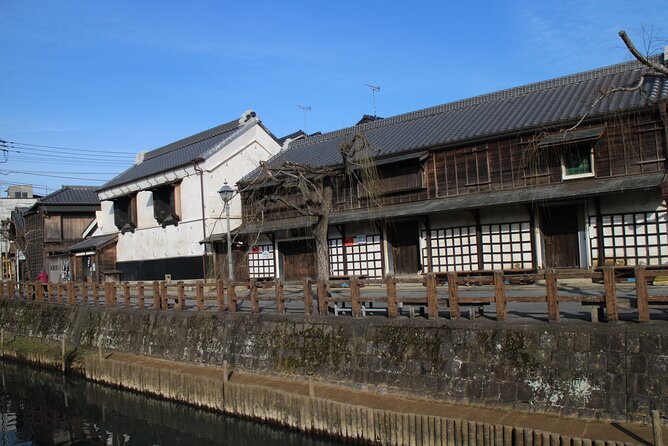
<point>44,408</point>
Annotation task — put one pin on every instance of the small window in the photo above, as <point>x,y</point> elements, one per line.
<point>125,213</point>
<point>578,161</point>
<point>167,205</point>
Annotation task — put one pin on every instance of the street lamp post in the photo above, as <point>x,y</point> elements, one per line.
<point>226,193</point>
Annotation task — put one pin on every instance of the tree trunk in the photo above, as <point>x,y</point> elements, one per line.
<point>320,232</point>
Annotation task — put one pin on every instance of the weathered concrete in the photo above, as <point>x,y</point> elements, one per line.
<point>605,371</point>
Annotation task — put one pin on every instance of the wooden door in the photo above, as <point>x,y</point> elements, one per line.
<point>560,233</point>
<point>299,260</point>
<point>404,240</point>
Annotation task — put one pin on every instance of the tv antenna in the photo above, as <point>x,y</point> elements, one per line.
<point>305,108</point>
<point>374,89</point>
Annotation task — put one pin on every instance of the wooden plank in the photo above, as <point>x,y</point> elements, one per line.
<point>141,298</point>
<point>255,305</point>
<point>642,293</point>
<point>220,295</point>
<point>321,287</point>
<point>432,297</point>
<point>552,297</point>
<point>609,286</point>
<point>308,298</point>
<point>391,286</point>
<point>232,297</point>
<point>500,294</point>
<point>39,291</point>
<point>355,297</point>
<point>180,296</point>
<point>164,295</point>
<point>280,296</point>
<point>71,296</point>
<point>84,293</point>
<point>157,300</point>
<point>126,294</point>
<point>199,293</point>
<point>453,296</point>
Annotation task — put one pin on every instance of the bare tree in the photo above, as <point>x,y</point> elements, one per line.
<point>308,191</point>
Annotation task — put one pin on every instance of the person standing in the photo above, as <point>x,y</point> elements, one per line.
<point>43,278</point>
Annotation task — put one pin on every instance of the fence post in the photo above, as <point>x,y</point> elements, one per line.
<point>157,300</point>
<point>642,294</point>
<point>231,297</point>
<point>220,295</point>
<point>321,288</point>
<point>141,299</point>
<point>59,293</point>
<point>96,294</point>
<point>391,285</point>
<point>12,289</point>
<point>2,289</point>
<point>49,291</point>
<point>453,295</point>
<point>180,296</point>
<point>113,296</point>
<point>280,296</point>
<point>255,306</point>
<point>308,298</point>
<point>356,307</point>
<point>432,296</point>
<point>610,294</point>
<point>500,296</point>
<point>126,294</point>
<point>84,293</point>
<point>552,295</point>
<point>71,297</point>
<point>656,428</point>
<point>199,293</point>
<point>39,291</point>
<point>164,296</point>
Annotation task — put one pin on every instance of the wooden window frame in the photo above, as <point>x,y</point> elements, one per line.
<point>125,213</point>
<point>577,147</point>
<point>167,204</point>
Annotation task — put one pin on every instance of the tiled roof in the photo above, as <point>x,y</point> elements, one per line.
<point>179,153</point>
<point>71,195</point>
<point>93,242</point>
<point>538,105</point>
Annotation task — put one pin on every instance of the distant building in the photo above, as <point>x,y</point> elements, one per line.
<point>18,197</point>
<point>53,224</point>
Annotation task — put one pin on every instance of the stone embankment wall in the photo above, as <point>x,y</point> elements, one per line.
<point>606,371</point>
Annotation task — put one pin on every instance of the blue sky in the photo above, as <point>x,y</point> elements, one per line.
<point>117,77</point>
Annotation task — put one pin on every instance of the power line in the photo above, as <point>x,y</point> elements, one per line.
<point>67,148</point>
<point>21,149</point>
<point>54,176</point>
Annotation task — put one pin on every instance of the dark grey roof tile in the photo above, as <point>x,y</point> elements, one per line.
<point>71,195</point>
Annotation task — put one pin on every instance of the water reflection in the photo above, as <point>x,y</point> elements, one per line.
<point>41,408</point>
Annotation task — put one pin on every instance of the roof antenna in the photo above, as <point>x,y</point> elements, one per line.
<point>374,89</point>
<point>305,108</point>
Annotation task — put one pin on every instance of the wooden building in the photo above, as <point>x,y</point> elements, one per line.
<point>544,175</point>
<point>53,224</point>
<point>94,259</point>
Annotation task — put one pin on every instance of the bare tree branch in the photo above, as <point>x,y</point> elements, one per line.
<point>659,68</point>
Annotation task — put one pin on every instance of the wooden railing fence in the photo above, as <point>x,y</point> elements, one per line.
<point>442,291</point>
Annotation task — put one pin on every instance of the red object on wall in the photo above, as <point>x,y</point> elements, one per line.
<point>349,241</point>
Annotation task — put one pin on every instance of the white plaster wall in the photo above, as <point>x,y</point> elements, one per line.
<point>630,202</point>
<point>105,219</point>
<point>151,241</point>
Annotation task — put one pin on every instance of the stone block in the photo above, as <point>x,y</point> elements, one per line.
<point>508,392</point>
<point>617,342</point>
<point>581,342</point>
<point>524,393</point>
<point>658,366</point>
<point>597,363</point>
<point>637,364</point>
<point>599,342</point>
<point>650,344</point>
<point>616,402</point>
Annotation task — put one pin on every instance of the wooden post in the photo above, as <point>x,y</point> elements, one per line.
<point>157,300</point>
<point>280,296</point>
<point>356,307</point>
<point>181,296</point>
<point>321,288</point>
<point>71,296</point>
<point>255,305</point>
<point>391,285</point>
<point>432,296</point>
<point>39,291</point>
<point>96,294</point>
<point>642,294</point>
<point>141,299</point>
<point>12,289</point>
<point>51,295</point>
<point>164,296</point>
<point>308,298</point>
<point>84,293</point>
<point>107,294</point>
<point>453,295</point>
<point>59,292</point>
<point>126,294</point>
<point>63,353</point>
<point>199,293</point>
<point>231,297</point>
<point>2,289</point>
<point>2,342</point>
<point>656,428</point>
<point>552,295</point>
<point>220,295</point>
<point>500,296</point>
<point>610,294</point>
<point>226,371</point>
